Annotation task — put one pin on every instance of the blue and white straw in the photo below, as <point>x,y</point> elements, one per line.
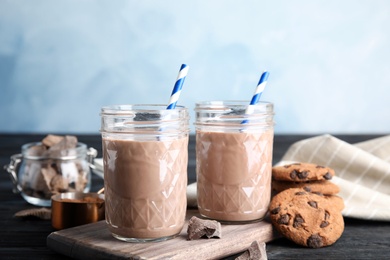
<point>256,96</point>
<point>178,86</point>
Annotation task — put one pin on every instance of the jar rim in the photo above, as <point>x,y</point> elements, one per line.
<point>125,109</point>
<point>221,103</point>
<point>234,114</point>
<point>73,153</point>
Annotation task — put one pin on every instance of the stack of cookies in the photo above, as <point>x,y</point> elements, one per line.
<point>305,207</point>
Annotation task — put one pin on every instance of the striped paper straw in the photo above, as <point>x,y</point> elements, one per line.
<point>178,86</point>
<point>256,96</point>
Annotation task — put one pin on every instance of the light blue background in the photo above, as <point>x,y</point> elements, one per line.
<point>329,61</point>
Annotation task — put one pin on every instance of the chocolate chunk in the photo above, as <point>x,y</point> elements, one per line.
<point>255,251</point>
<point>302,175</point>
<point>313,204</point>
<point>314,241</point>
<point>44,178</point>
<point>67,142</point>
<point>59,184</point>
<point>327,176</point>
<point>324,224</point>
<point>36,150</point>
<point>284,219</point>
<point>327,215</point>
<point>275,210</point>
<point>307,188</point>
<point>293,174</point>
<point>51,140</point>
<point>300,193</point>
<point>298,220</point>
<point>320,167</point>
<point>203,228</point>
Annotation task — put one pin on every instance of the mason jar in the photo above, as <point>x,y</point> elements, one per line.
<point>234,160</point>
<point>145,156</point>
<point>38,176</point>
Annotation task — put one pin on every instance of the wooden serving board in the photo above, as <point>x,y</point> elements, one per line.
<point>94,241</point>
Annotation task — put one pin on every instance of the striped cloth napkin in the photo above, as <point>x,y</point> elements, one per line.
<point>362,171</point>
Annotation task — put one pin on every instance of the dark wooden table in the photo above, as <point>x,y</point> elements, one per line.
<point>26,239</point>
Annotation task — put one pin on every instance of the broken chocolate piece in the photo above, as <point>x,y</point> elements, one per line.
<point>63,147</point>
<point>51,140</point>
<point>255,251</point>
<point>36,150</point>
<point>203,228</point>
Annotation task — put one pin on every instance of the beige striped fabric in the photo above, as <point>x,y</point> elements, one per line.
<point>362,171</point>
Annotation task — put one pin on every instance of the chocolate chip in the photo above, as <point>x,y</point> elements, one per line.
<point>284,219</point>
<point>293,174</point>
<point>313,204</point>
<point>318,193</point>
<point>302,175</point>
<point>300,193</point>
<point>307,188</point>
<point>324,224</point>
<point>327,176</point>
<point>319,166</point>
<point>298,220</point>
<point>314,241</point>
<point>275,210</point>
<point>327,215</point>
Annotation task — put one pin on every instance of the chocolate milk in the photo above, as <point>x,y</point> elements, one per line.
<point>234,174</point>
<point>145,187</point>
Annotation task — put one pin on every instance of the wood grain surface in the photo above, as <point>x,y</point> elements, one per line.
<point>95,241</point>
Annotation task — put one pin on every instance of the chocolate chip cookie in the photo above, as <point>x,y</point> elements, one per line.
<point>300,172</point>
<point>324,187</point>
<point>306,218</point>
<point>335,202</point>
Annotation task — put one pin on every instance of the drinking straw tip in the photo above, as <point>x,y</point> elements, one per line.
<point>178,86</point>
<point>264,77</point>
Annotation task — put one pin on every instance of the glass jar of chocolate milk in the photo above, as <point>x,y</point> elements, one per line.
<point>233,160</point>
<point>145,156</point>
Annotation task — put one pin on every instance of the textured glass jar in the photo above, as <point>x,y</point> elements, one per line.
<point>145,156</point>
<point>37,177</point>
<point>233,160</point>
